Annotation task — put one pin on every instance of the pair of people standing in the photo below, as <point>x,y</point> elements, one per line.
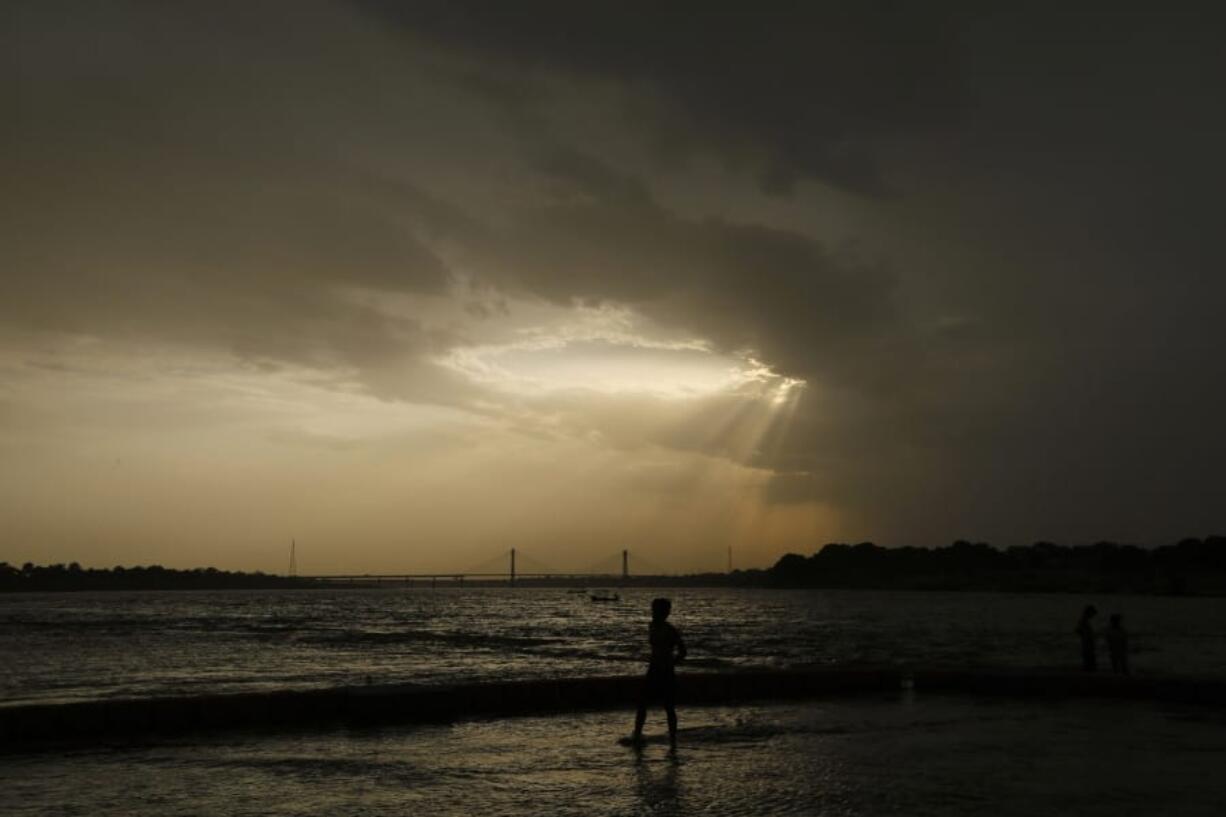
<point>1115,636</point>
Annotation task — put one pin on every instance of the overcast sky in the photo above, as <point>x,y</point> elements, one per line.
<point>414,283</point>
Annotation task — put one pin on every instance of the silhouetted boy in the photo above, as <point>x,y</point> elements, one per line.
<point>1117,644</point>
<point>1085,631</point>
<point>667,649</point>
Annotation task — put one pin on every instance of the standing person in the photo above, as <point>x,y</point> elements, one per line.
<point>1117,644</point>
<point>1085,631</point>
<point>667,649</point>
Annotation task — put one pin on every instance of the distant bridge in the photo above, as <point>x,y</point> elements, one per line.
<point>511,576</point>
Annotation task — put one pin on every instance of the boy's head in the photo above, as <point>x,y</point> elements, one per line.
<point>1089,612</point>
<point>660,608</point>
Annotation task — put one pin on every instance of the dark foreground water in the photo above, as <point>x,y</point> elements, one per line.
<point>904,755</point>
<point>907,754</point>
<point>80,646</point>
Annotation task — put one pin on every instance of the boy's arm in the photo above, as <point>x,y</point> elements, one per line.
<point>680,645</point>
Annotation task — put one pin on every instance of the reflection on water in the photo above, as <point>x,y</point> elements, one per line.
<point>861,756</point>
<point>656,785</point>
<point>87,645</point>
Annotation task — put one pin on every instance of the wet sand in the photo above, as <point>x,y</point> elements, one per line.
<point>902,753</point>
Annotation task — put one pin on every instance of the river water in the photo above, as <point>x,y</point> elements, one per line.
<point>906,753</point>
<point>80,646</point>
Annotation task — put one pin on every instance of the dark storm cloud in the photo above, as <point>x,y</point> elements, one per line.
<point>1034,349</point>
<point>172,179</point>
<point>748,287</point>
<point>1043,354</point>
<point>796,91</point>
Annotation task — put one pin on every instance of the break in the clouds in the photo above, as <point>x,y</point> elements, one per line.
<point>416,282</point>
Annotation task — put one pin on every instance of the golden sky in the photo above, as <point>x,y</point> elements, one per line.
<point>413,284</point>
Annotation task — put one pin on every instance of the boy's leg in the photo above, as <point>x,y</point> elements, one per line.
<point>670,709</point>
<point>640,714</point>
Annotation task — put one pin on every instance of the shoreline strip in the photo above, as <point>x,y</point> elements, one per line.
<point>24,727</point>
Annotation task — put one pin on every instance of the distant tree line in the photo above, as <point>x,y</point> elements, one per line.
<point>31,577</point>
<point>1192,566</point>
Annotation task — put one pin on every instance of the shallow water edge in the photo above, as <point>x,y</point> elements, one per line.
<point>26,727</point>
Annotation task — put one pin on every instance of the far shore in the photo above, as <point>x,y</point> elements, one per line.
<point>1190,567</point>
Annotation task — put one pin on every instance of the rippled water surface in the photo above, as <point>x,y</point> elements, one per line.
<point>906,755</point>
<point>76,646</point>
